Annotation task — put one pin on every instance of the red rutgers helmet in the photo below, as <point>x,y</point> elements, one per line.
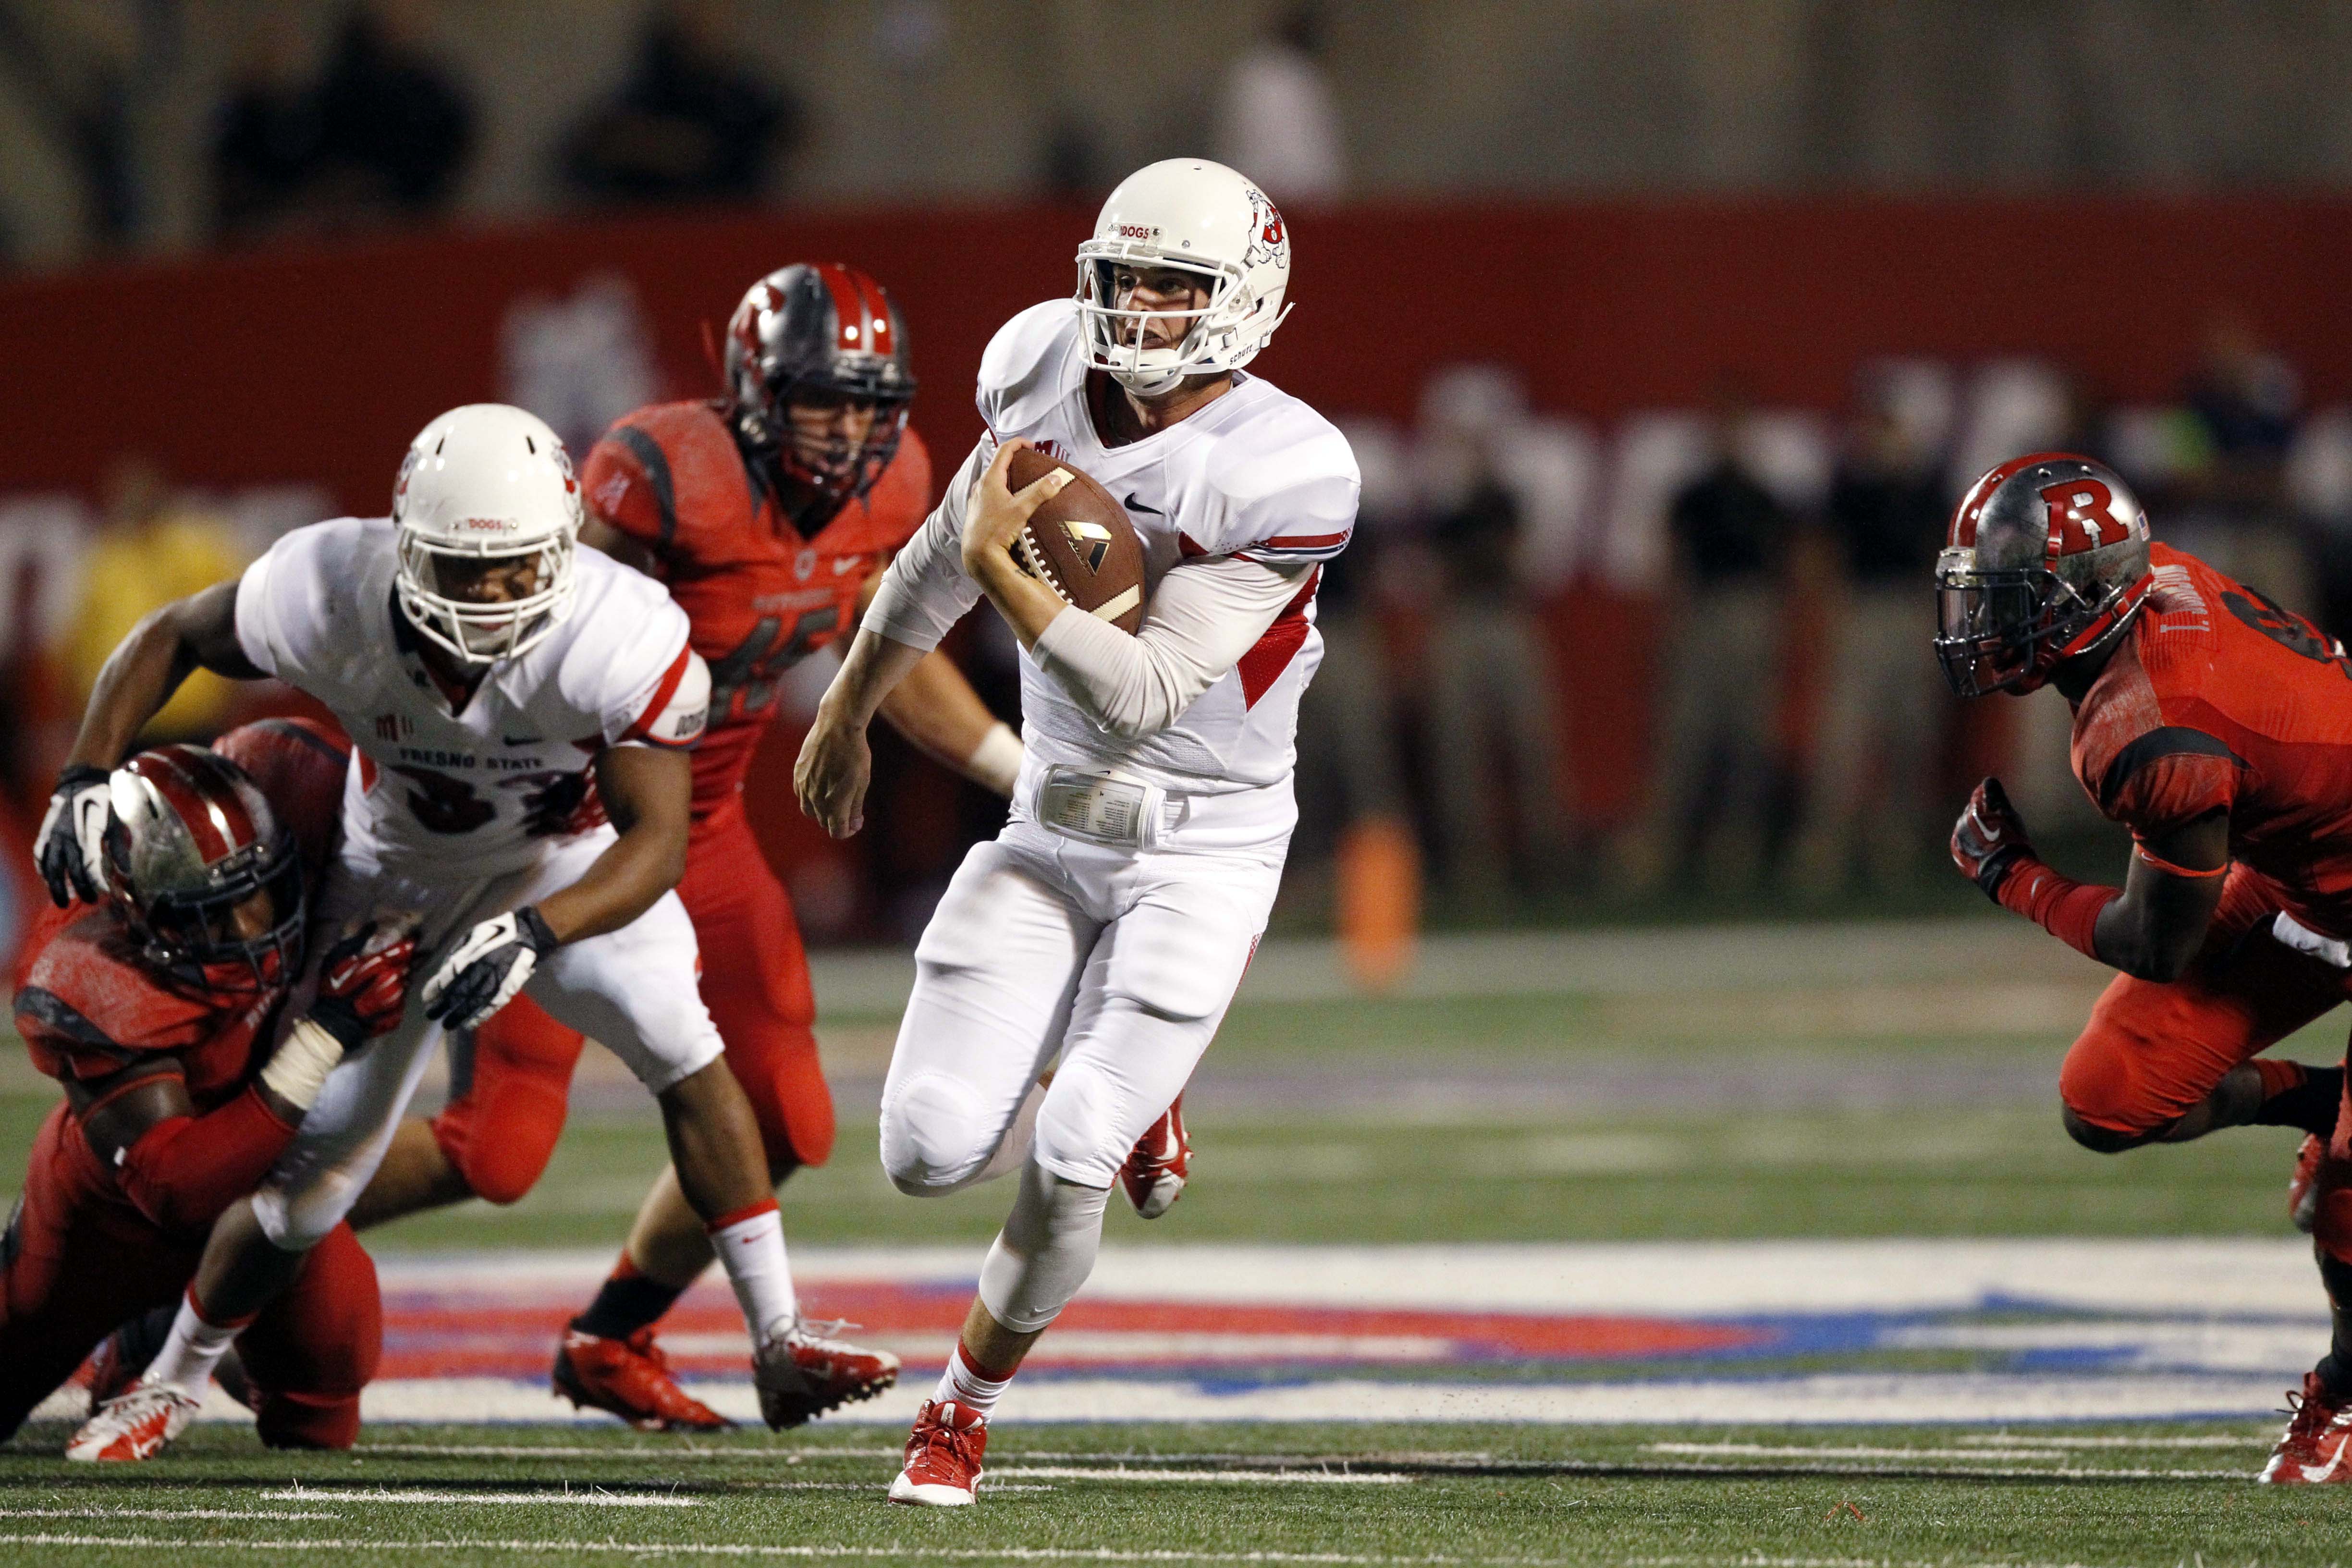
<point>208,881</point>
<point>2046,560</point>
<point>811,331</point>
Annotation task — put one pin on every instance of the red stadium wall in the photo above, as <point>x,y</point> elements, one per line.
<point>317,363</point>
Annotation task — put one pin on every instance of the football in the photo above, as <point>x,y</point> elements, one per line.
<point>1080,543</point>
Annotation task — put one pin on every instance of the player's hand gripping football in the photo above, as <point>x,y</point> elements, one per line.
<point>996,515</point>
<point>70,850</point>
<point>364,984</point>
<point>486,969</point>
<point>1990,838</point>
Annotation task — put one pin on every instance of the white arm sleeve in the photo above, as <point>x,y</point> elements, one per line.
<point>1204,616</point>
<point>924,591</point>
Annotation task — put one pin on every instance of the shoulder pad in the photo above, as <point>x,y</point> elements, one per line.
<point>88,997</point>
<point>1024,368</point>
<point>670,474</point>
<point>1287,486</point>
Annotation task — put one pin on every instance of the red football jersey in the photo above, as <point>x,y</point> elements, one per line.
<point>87,1002</point>
<point>2218,699</point>
<point>759,597</point>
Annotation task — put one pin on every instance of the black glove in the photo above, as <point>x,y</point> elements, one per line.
<point>486,969</point>
<point>71,846</point>
<point>1990,838</point>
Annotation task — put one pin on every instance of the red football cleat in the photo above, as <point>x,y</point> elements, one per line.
<point>801,1373</point>
<point>942,1456</point>
<point>135,1426</point>
<point>1158,1166</point>
<point>2313,1450</point>
<point>632,1379</point>
<point>2302,1187</point>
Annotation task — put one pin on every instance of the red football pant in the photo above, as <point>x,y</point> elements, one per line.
<point>500,1131</point>
<point>80,1260</point>
<point>2153,1052</point>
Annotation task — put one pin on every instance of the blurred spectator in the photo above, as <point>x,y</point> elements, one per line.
<point>1712,787</point>
<point>1491,689</point>
<point>690,123</point>
<point>582,363</point>
<point>149,551</point>
<point>1883,708</point>
<point>2243,401</point>
<point>383,133</point>
<point>1277,123</point>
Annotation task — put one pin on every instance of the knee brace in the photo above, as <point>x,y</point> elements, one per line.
<point>935,1135</point>
<point>1045,1252</point>
<point>1077,1127</point>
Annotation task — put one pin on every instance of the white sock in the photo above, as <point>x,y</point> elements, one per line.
<point>752,1248</point>
<point>195,1347</point>
<point>966,1387</point>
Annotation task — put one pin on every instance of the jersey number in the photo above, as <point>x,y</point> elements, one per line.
<point>2286,629</point>
<point>760,660</point>
<point>446,804</point>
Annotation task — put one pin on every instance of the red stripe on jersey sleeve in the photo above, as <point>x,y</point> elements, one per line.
<point>1272,653</point>
<point>642,730</point>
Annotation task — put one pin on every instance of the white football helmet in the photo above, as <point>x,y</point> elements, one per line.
<point>486,482</point>
<point>1203,217</point>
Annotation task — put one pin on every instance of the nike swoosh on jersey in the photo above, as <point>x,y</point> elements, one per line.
<point>523,740</point>
<point>1135,505</point>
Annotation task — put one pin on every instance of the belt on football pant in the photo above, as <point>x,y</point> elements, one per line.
<point>1103,808</point>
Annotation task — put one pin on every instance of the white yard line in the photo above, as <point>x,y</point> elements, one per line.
<point>1261,1478</point>
<point>532,1451</point>
<point>162,1513</point>
<point>586,1498</point>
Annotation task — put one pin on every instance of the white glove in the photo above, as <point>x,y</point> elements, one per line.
<point>486,969</point>
<point>70,848</point>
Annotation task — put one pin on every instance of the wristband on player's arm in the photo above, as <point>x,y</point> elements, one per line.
<point>2065,908</point>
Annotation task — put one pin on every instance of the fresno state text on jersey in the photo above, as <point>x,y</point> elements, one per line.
<point>759,595</point>
<point>439,792</point>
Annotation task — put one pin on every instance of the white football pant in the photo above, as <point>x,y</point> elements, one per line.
<point>1114,966</point>
<point>635,990</point>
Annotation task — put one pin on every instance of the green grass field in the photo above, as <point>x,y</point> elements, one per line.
<point>1698,1112</point>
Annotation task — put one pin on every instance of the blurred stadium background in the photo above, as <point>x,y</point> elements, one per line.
<point>1618,957</point>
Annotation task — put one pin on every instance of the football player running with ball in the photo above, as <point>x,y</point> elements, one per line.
<point>489,674</point>
<point>1104,931</point>
<point>2218,728</point>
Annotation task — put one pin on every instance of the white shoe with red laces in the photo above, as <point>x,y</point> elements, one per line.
<point>2313,1451</point>
<point>803,1373</point>
<point>942,1456</point>
<point>1158,1166</point>
<point>135,1426</point>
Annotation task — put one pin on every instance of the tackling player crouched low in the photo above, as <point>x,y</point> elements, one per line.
<point>160,1008</point>
<point>1105,930</point>
<point>2218,728</point>
<point>504,692</point>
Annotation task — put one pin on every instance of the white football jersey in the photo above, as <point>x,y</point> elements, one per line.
<point>438,794</point>
<point>1256,474</point>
